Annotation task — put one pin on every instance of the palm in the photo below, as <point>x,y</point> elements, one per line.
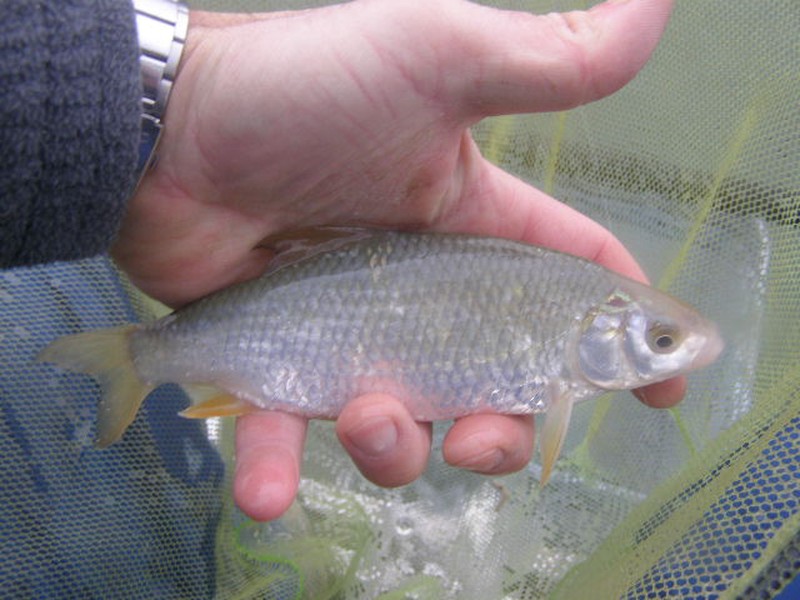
<point>377,144</point>
<point>387,158</point>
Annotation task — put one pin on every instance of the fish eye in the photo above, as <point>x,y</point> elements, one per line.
<point>662,338</point>
<point>664,341</point>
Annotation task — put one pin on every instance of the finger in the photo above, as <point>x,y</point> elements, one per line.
<point>521,62</point>
<point>493,202</point>
<point>386,444</point>
<point>490,444</point>
<point>530,215</point>
<point>269,450</point>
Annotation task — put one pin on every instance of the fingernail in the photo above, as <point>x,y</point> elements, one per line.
<point>374,437</point>
<point>485,462</point>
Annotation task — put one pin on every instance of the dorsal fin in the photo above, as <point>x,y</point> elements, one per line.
<point>297,245</point>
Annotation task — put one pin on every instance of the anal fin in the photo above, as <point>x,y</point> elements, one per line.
<point>221,405</point>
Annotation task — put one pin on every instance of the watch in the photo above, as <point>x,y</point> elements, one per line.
<point>161,26</point>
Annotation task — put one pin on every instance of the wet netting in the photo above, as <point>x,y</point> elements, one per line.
<point>695,167</point>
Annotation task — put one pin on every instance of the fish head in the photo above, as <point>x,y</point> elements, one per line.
<point>639,335</point>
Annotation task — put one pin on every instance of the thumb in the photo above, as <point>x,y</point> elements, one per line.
<point>519,62</point>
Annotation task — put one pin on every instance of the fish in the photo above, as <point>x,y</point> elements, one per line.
<point>450,324</point>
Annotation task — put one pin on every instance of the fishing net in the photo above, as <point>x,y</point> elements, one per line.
<point>695,167</point>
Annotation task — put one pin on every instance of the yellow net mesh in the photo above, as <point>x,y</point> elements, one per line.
<point>694,166</point>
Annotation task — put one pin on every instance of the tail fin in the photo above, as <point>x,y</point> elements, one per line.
<point>105,355</point>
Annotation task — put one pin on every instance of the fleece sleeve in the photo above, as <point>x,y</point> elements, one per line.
<point>69,126</point>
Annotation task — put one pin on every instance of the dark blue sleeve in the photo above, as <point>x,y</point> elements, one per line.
<point>69,126</point>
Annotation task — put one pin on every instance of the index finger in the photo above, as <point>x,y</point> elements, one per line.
<point>494,202</point>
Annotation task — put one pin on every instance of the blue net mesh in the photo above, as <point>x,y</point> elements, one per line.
<point>134,521</point>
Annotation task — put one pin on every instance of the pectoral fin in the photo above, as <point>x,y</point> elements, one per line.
<point>219,405</point>
<point>553,433</point>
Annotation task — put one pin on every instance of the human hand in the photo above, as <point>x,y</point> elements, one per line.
<point>359,114</point>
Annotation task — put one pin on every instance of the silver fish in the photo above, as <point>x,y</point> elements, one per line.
<point>449,324</point>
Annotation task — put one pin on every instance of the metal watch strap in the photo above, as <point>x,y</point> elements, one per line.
<point>161,26</point>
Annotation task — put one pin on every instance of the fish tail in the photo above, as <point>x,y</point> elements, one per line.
<point>105,355</point>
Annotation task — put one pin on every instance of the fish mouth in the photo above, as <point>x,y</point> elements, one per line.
<point>711,345</point>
